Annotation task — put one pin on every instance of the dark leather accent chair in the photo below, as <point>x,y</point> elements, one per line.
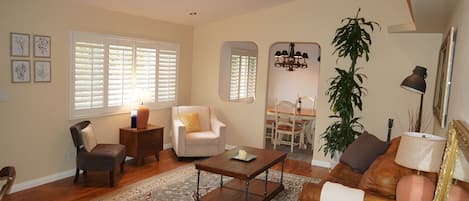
<point>104,157</point>
<point>9,174</point>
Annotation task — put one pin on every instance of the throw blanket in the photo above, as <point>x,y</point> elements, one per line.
<point>338,192</point>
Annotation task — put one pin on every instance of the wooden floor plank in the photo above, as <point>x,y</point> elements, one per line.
<point>97,184</point>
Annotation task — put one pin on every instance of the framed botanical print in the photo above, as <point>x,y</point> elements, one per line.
<point>42,46</point>
<point>19,45</point>
<point>42,71</point>
<point>20,71</point>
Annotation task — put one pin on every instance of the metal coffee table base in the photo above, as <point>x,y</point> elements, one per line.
<point>251,190</point>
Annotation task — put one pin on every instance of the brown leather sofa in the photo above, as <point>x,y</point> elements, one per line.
<point>379,181</point>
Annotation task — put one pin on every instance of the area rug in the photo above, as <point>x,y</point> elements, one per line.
<point>180,185</point>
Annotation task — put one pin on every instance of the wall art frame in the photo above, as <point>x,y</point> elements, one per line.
<point>42,46</point>
<point>443,78</point>
<point>19,44</point>
<point>42,71</point>
<point>20,71</point>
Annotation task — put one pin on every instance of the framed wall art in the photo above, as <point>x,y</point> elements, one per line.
<point>443,78</point>
<point>42,71</point>
<point>20,71</point>
<point>19,45</point>
<point>42,46</point>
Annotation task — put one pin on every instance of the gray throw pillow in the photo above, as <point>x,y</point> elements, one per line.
<point>363,151</point>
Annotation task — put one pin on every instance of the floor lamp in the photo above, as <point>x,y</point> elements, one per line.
<point>416,83</point>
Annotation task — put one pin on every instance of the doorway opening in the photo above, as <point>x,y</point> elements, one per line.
<point>295,87</point>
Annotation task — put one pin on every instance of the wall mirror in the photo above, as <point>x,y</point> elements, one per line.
<point>455,166</point>
<point>238,71</point>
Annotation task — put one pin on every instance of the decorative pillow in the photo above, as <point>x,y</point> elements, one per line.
<point>363,151</point>
<point>190,121</point>
<point>89,139</point>
<point>384,173</point>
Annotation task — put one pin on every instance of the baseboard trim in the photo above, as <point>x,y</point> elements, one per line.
<point>41,181</point>
<point>167,146</point>
<point>54,177</point>
<point>229,147</point>
<point>323,164</point>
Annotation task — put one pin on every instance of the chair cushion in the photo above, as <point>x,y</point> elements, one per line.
<point>363,151</point>
<point>204,115</point>
<point>201,138</point>
<point>190,121</point>
<point>89,139</point>
<point>288,128</point>
<point>102,157</point>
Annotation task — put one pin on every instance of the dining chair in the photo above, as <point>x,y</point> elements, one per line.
<point>309,125</point>
<point>270,128</point>
<point>285,124</point>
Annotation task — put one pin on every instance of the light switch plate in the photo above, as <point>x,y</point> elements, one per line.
<point>3,96</point>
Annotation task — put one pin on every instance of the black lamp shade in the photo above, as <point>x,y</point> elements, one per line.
<point>305,55</point>
<point>278,53</point>
<point>416,81</point>
<point>284,53</point>
<point>298,54</point>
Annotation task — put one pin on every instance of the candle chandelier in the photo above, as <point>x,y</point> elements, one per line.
<point>291,60</point>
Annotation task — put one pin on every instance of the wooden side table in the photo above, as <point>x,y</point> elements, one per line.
<point>142,142</point>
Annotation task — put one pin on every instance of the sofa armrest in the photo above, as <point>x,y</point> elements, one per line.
<point>312,192</point>
<point>179,133</point>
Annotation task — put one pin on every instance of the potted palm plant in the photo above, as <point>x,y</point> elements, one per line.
<point>345,92</point>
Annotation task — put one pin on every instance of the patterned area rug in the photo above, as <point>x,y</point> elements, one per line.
<point>180,185</point>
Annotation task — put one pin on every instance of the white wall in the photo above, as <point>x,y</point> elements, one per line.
<point>34,117</point>
<point>392,59</point>
<point>288,85</point>
<point>458,108</point>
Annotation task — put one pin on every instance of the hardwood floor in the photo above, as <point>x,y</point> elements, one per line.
<point>97,184</point>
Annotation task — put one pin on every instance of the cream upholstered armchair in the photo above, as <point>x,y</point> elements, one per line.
<point>209,141</point>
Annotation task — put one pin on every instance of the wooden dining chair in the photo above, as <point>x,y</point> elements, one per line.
<point>309,126</point>
<point>285,124</point>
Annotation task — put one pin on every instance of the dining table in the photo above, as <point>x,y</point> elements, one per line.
<point>306,114</point>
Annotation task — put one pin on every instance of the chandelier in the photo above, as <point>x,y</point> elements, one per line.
<point>291,61</point>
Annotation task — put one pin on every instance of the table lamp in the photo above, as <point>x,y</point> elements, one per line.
<point>416,83</point>
<point>421,152</point>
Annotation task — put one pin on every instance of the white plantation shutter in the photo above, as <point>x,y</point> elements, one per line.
<point>108,71</point>
<point>145,71</point>
<point>89,76</point>
<point>243,75</point>
<point>120,77</point>
<point>167,76</point>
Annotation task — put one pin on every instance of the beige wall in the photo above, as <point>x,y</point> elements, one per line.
<point>459,97</point>
<point>393,58</point>
<point>35,116</point>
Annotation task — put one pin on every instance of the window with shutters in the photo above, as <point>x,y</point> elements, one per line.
<point>108,71</point>
<point>242,75</point>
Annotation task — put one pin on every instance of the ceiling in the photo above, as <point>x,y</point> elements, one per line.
<point>431,16</point>
<point>177,11</point>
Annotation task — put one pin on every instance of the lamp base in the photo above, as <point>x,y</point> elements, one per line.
<point>415,188</point>
<point>143,112</point>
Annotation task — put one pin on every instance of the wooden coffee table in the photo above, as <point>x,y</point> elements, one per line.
<point>244,185</point>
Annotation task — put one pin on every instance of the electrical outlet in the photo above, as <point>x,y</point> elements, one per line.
<point>69,155</point>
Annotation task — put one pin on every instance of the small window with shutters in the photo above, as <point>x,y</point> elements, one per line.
<point>107,71</point>
<point>243,75</point>
<point>238,72</point>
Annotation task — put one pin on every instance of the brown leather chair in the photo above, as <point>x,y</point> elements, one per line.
<point>104,157</point>
<point>9,174</point>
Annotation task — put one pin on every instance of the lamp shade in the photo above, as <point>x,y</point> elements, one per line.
<point>420,151</point>
<point>461,169</point>
<point>416,81</point>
